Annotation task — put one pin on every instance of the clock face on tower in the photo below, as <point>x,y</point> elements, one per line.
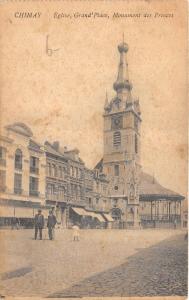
<point>117,122</point>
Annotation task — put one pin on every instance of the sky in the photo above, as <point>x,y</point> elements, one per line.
<point>61,97</point>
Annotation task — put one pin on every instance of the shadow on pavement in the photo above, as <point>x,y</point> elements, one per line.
<point>160,270</point>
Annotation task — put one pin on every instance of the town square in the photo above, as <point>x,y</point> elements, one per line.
<point>93,152</point>
<point>122,263</point>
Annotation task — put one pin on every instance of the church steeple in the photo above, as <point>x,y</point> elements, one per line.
<point>122,82</point>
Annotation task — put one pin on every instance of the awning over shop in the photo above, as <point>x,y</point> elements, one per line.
<point>108,217</point>
<point>80,211</point>
<point>24,212</point>
<point>99,217</point>
<point>83,212</point>
<point>7,211</point>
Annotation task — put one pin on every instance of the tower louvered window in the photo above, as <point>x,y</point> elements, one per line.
<point>117,139</point>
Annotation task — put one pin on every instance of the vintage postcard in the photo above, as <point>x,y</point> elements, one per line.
<point>93,149</point>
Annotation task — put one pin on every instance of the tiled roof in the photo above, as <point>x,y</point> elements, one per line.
<point>51,150</point>
<point>150,189</point>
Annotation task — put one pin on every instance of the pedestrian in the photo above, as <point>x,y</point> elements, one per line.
<point>51,222</point>
<point>75,232</point>
<point>15,223</point>
<point>175,223</point>
<point>39,224</point>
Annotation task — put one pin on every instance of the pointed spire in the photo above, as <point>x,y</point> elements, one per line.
<point>106,101</point>
<point>122,81</point>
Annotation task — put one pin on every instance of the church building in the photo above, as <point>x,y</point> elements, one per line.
<point>136,198</point>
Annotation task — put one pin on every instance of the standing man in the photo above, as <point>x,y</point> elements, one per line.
<point>39,224</point>
<point>51,224</point>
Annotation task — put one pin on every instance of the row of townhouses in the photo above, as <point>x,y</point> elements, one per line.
<point>116,193</point>
<point>47,176</point>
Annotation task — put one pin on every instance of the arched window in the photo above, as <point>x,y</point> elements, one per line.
<point>18,159</point>
<point>132,194</point>
<point>116,170</point>
<point>136,144</point>
<point>116,214</point>
<point>117,139</point>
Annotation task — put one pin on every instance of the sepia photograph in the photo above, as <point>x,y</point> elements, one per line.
<point>93,149</point>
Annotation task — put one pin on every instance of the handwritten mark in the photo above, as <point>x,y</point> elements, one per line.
<point>49,51</point>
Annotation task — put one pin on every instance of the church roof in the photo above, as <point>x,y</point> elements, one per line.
<point>150,188</point>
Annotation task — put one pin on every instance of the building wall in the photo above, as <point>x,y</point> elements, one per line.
<point>17,141</point>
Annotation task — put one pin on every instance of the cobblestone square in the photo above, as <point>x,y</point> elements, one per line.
<point>102,263</point>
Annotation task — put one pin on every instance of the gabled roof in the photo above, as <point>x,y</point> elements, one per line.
<point>34,145</point>
<point>50,149</point>
<point>99,165</point>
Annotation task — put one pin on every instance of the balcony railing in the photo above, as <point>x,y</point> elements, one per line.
<point>18,191</point>
<point>34,170</point>
<point>2,162</point>
<point>34,193</point>
<point>55,197</point>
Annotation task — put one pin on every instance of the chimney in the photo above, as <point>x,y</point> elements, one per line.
<point>56,145</point>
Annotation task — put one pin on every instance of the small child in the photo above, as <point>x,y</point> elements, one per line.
<point>75,233</point>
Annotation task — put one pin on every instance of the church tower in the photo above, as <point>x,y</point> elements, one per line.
<point>121,159</point>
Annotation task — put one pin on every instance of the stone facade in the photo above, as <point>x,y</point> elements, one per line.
<point>121,159</point>
<point>22,168</point>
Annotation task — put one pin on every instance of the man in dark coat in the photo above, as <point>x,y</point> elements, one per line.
<point>39,224</point>
<point>51,222</point>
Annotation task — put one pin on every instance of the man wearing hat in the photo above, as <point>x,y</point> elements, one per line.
<point>39,224</point>
<point>51,224</point>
